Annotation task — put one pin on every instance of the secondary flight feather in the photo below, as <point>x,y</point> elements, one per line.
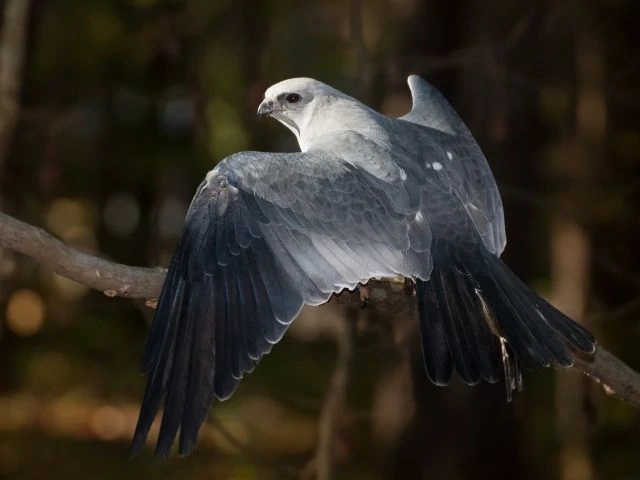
<point>367,196</point>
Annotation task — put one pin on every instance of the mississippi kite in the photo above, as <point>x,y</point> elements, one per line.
<point>367,196</point>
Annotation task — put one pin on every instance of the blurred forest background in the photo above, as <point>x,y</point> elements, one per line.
<point>111,112</point>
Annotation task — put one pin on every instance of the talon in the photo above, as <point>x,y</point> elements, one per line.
<point>363,292</point>
<point>151,303</point>
<point>409,286</point>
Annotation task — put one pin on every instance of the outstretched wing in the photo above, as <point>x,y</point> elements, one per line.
<point>432,110</point>
<point>463,161</point>
<point>265,234</point>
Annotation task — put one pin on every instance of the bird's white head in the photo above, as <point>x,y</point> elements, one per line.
<point>298,103</point>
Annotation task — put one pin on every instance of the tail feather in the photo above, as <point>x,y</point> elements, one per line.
<point>453,332</point>
<point>475,313</point>
<point>435,347</point>
<point>484,346</point>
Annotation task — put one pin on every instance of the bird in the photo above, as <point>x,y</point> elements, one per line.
<point>366,196</point>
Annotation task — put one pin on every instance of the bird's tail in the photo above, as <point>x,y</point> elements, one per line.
<point>476,315</point>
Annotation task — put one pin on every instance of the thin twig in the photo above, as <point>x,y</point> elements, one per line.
<point>335,399</point>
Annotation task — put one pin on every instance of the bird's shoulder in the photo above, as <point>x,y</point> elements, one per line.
<point>280,178</point>
<point>251,168</point>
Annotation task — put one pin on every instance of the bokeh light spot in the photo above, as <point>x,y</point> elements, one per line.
<point>171,218</point>
<point>69,289</point>
<point>121,214</point>
<point>108,422</point>
<point>25,312</point>
<point>66,213</point>
<point>227,132</point>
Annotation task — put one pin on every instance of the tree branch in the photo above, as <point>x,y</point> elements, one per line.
<point>616,377</point>
<point>387,296</point>
<point>100,274</point>
<point>321,464</point>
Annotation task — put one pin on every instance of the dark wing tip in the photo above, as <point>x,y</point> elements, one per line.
<point>164,446</point>
<point>137,445</point>
<point>150,404</point>
<point>186,446</point>
<point>223,299</point>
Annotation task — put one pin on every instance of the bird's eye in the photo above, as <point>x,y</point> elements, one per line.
<point>293,98</point>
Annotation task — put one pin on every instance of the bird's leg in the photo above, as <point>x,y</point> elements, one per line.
<point>506,364</point>
<point>363,293</point>
<point>151,303</point>
<point>512,371</point>
<point>410,287</point>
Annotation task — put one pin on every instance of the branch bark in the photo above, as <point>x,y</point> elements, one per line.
<point>100,274</point>
<point>387,296</point>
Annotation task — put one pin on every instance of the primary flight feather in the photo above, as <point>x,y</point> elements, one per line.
<point>367,196</point>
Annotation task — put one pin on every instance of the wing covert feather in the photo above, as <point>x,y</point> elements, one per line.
<point>461,159</point>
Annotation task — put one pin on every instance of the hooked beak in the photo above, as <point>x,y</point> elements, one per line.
<point>266,108</point>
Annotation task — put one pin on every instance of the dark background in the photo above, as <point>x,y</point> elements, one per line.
<point>125,104</point>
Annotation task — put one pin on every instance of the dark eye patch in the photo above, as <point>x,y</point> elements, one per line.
<point>293,98</point>
<point>281,96</point>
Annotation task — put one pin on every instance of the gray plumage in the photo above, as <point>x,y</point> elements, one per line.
<point>368,195</point>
